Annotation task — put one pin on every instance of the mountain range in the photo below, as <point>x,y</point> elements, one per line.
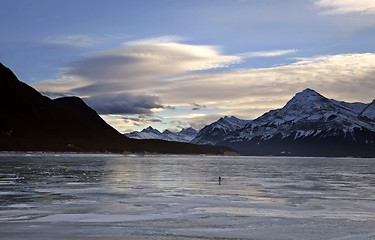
<point>185,135</point>
<point>308,125</point>
<point>30,121</point>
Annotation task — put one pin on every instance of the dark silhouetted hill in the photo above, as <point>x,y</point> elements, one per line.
<point>30,121</point>
<point>78,108</point>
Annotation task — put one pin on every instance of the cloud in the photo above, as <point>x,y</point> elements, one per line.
<point>135,66</point>
<point>346,6</point>
<point>141,62</point>
<point>62,86</point>
<point>120,80</point>
<point>72,40</point>
<point>170,108</point>
<point>155,40</point>
<point>127,123</point>
<point>140,120</point>
<point>197,106</point>
<point>124,103</point>
<point>273,53</point>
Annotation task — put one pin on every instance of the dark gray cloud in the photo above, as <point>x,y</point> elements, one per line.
<point>99,88</point>
<point>197,106</point>
<point>170,107</point>
<point>124,103</point>
<point>102,67</point>
<point>141,120</point>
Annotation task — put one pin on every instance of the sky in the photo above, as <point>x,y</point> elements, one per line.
<point>172,64</point>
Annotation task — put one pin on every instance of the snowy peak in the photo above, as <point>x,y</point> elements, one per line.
<point>166,131</point>
<point>150,130</point>
<point>230,123</point>
<point>307,95</point>
<point>185,135</point>
<point>189,131</point>
<point>217,130</point>
<point>307,101</point>
<point>147,133</point>
<point>307,105</point>
<point>230,120</point>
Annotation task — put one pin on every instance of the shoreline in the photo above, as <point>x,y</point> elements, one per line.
<point>109,153</point>
<point>147,154</point>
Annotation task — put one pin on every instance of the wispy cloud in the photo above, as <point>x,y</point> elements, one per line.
<point>82,40</point>
<point>273,53</point>
<point>63,85</point>
<point>72,40</point>
<point>196,107</point>
<point>156,40</point>
<point>346,6</point>
<point>324,73</point>
<point>188,116</point>
<point>136,66</point>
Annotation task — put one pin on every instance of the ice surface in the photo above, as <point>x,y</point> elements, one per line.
<point>179,197</point>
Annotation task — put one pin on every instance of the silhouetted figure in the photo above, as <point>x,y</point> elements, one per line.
<point>219,180</point>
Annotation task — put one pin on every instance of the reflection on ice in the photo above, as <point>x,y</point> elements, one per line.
<point>105,218</point>
<point>178,197</point>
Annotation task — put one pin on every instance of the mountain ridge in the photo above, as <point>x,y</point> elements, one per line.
<point>185,135</point>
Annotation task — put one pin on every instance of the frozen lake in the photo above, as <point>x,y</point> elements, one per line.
<point>69,196</point>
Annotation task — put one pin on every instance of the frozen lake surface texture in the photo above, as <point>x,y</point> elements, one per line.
<point>67,196</point>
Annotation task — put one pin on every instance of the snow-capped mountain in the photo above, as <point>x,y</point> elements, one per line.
<point>308,113</point>
<point>185,135</point>
<point>213,133</point>
<point>147,133</point>
<point>309,124</point>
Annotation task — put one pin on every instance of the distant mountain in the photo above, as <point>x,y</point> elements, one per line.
<point>185,135</point>
<point>218,130</point>
<point>308,125</point>
<point>32,122</point>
